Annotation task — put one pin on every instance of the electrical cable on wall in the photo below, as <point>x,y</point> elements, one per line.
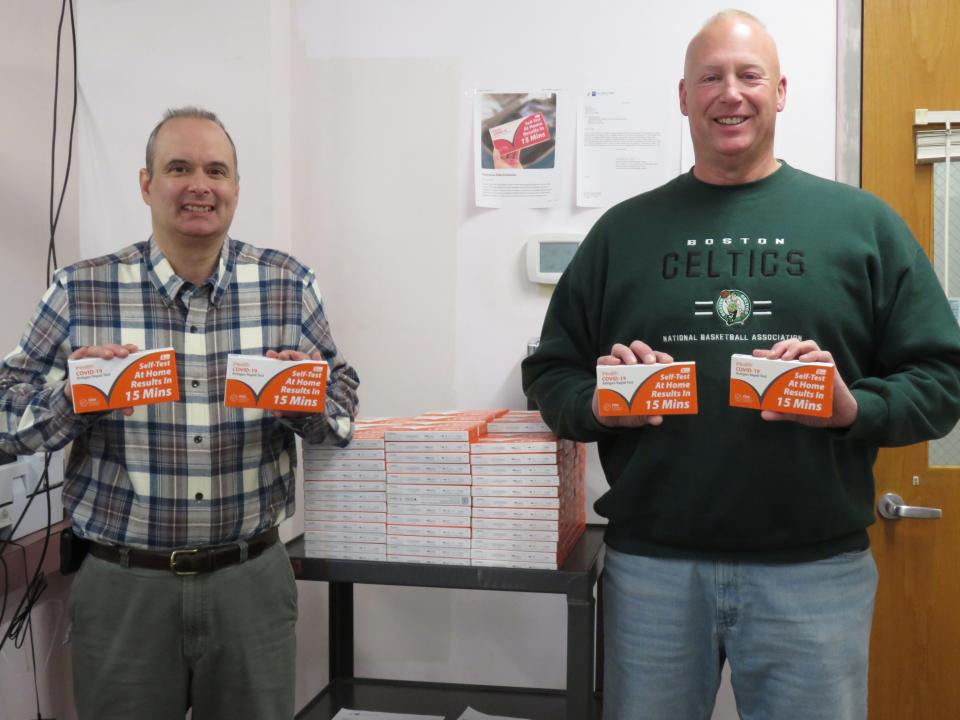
<point>55,217</point>
<point>21,621</point>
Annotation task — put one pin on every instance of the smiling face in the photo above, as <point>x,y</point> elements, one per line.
<point>192,187</point>
<point>731,92</point>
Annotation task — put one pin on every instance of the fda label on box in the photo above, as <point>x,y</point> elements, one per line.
<point>270,384</point>
<point>785,386</point>
<point>655,389</point>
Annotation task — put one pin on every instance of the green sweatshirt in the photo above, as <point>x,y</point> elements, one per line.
<point>798,256</point>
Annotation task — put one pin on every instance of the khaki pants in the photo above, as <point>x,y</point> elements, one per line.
<point>147,644</point>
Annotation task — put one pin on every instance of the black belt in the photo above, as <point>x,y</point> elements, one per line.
<point>187,561</point>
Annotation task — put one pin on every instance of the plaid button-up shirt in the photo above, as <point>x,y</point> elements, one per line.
<point>185,473</point>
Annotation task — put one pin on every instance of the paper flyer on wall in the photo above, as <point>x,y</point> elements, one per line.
<point>515,138</point>
<point>623,146</point>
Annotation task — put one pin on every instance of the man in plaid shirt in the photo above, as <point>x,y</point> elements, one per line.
<point>186,599</point>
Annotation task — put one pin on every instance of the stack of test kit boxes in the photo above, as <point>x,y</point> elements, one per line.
<point>528,494</point>
<point>491,488</point>
<point>345,498</point>
<point>428,487</point>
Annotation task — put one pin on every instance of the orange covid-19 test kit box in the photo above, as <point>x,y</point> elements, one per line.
<point>786,386</point>
<point>141,378</point>
<point>270,384</point>
<point>656,389</point>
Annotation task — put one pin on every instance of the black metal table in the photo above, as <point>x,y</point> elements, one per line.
<point>576,579</point>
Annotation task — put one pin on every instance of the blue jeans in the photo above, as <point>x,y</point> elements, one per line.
<point>797,637</point>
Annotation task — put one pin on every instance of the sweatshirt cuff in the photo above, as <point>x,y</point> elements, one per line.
<point>593,428</point>
<point>872,416</point>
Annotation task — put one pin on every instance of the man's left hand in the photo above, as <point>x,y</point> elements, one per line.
<point>844,403</point>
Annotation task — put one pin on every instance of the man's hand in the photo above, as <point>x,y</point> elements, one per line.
<point>292,355</point>
<point>844,403</point>
<point>635,353</point>
<point>507,161</point>
<point>105,352</point>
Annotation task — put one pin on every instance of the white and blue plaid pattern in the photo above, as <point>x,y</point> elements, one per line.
<point>186,473</point>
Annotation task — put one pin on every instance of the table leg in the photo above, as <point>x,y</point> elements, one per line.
<point>580,620</point>
<point>341,630</point>
<point>598,683</point>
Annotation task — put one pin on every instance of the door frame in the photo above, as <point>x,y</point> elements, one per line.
<point>849,90</point>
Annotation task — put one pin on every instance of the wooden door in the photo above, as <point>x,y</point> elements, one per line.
<point>911,59</point>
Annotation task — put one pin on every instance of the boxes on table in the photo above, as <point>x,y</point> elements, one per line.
<point>528,496</point>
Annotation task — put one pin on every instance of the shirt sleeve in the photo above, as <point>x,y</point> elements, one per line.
<point>912,394</point>
<point>335,424</point>
<point>560,377</point>
<point>35,414</point>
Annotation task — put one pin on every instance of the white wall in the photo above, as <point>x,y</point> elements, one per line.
<point>376,215</point>
<point>27,65</point>
<point>27,56</point>
<point>353,124</point>
<point>138,59</point>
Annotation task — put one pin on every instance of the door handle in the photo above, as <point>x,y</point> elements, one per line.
<point>891,507</point>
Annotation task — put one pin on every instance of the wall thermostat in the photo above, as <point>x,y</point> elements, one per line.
<point>548,255</point>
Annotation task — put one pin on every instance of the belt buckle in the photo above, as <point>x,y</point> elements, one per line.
<point>173,561</point>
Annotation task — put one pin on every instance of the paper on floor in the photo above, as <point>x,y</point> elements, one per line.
<point>346,714</point>
<point>471,714</point>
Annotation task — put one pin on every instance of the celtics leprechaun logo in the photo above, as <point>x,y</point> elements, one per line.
<point>733,307</point>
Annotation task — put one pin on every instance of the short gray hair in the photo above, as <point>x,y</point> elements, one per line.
<point>187,111</point>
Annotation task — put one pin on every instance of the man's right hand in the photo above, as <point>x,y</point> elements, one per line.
<point>635,353</point>
<point>106,352</point>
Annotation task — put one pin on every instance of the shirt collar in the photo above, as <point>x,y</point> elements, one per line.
<point>168,284</point>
